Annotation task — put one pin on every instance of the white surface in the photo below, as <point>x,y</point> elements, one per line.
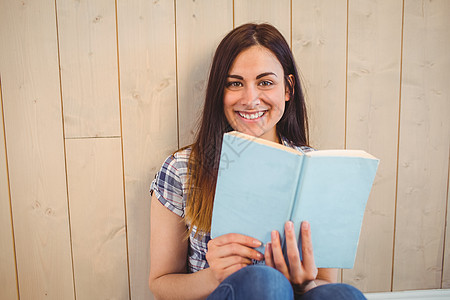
<point>421,294</point>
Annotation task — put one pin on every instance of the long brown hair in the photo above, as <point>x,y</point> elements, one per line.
<point>205,152</point>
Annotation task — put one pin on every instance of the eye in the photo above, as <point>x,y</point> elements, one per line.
<point>265,83</point>
<point>234,84</point>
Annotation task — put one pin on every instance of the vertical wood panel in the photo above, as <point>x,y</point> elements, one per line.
<point>94,169</point>
<point>34,132</point>
<point>8,282</point>
<point>373,84</point>
<point>446,264</point>
<point>275,12</point>
<point>319,44</point>
<point>319,32</point>
<point>88,49</point>
<point>34,141</point>
<point>424,146</point>
<point>201,25</point>
<point>149,117</point>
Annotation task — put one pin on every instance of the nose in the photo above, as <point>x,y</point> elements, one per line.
<point>251,97</point>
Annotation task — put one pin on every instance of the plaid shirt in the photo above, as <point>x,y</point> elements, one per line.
<point>170,188</point>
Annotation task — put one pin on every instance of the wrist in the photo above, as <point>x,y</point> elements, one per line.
<point>211,278</point>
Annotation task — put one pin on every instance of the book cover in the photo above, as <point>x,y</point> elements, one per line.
<point>262,184</point>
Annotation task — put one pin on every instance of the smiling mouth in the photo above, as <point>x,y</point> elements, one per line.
<point>251,116</point>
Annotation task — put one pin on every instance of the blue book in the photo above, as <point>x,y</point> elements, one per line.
<point>262,184</point>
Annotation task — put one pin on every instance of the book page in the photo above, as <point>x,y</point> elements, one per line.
<point>332,196</point>
<point>341,152</point>
<point>255,189</point>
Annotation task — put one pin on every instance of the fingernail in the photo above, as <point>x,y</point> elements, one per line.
<point>289,225</point>
<point>257,243</point>
<point>274,234</point>
<point>305,225</point>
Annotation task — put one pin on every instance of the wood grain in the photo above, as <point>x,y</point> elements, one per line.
<point>319,41</point>
<point>374,55</point>
<point>275,12</point>
<point>319,32</point>
<point>201,25</point>
<point>424,146</point>
<point>88,50</point>
<point>97,216</point>
<point>165,50</point>
<point>149,117</point>
<point>8,279</point>
<point>35,147</point>
<point>446,263</point>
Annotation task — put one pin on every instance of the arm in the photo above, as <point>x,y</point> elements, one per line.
<point>168,255</point>
<point>303,274</point>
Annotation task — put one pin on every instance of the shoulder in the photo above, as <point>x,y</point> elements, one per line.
<point>182,155</point>
<point>170,183</point>
<point>177,162</point>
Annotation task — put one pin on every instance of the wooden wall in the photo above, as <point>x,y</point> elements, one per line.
<point>95,94</point>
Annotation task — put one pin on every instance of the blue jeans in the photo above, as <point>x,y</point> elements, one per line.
<point>263,282</point>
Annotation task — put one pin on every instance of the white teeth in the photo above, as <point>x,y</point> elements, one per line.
<point>251,116</point>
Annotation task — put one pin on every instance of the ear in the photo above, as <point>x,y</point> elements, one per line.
<point>290,83</point>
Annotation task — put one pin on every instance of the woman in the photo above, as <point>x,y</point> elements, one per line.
<point>253,88</point>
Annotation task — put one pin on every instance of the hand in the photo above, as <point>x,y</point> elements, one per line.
<point>231,252</point>
<point>298,272</point>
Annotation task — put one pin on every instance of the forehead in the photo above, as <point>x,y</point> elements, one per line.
<point>255,60</point>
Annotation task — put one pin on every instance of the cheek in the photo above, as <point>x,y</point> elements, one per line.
<point>228,108</point>
<point>280,106</point>
<point>229,99</point>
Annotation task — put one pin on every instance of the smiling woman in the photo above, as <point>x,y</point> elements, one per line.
<point>251,90</point>
<point>255,93</point>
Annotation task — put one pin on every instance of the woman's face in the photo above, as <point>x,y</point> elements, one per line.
<point>255,93</point>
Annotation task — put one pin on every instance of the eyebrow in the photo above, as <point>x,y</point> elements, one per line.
<point>257,77</point>
<point>266,74</point>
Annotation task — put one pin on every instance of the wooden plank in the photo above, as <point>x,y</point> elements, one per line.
<point>319,48</point>
<point>446,264</point>
<point>319,41</point>
<point>34,141</point>
<point>275,12</point>
<point>89,73</point>
<point>95,185</point>
<point>149,117</point>
<point>200,26</point>
<point>373,87</point>
<point>8,279</point>
<point>424,146</point>
<point>319,31</point>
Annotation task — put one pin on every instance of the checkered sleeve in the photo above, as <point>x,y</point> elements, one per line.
<point>168,187</point>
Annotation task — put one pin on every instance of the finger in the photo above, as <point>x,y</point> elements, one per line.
<point>293,254</point>
<point>307,250</point>
<point>237,238</point>
<point>230,270</point>
<point>235,249</point>
<point>227,262</point>
<point>268,255</point>
<point>277,253</point>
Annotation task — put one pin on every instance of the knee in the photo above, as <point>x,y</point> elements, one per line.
<point>262,282</point>
<point>336,291</point>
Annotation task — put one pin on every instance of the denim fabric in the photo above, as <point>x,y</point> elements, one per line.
<point>254,282</point>
<point>263,282</point>
<point>338,291</point>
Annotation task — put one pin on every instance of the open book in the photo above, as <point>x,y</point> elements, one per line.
<point>262,184</point>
